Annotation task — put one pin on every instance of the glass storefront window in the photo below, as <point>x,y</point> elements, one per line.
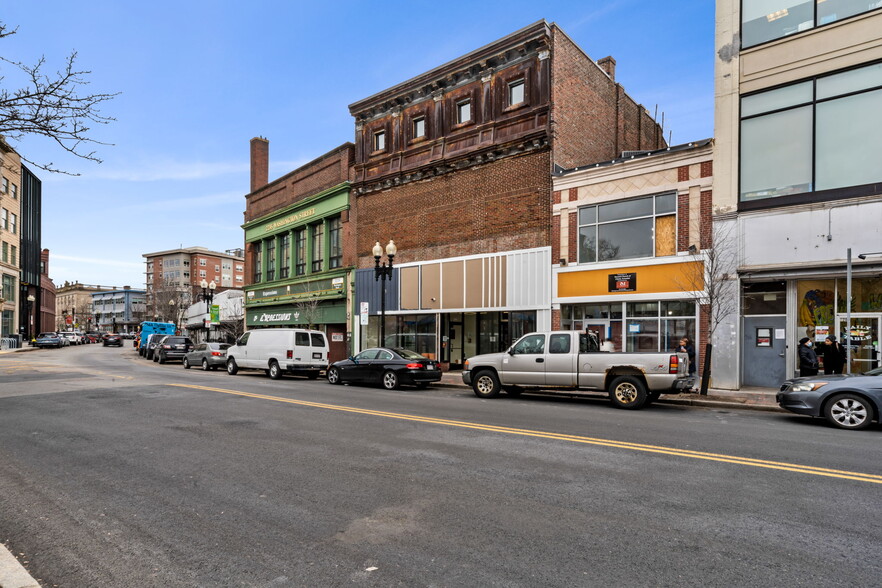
<point>642,309</point>
<point>646,326</point>
<point>642,335</point>
<point>764,298</point>
<point>815,300</point>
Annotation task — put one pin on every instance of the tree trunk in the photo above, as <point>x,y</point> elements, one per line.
<point>706,372</point>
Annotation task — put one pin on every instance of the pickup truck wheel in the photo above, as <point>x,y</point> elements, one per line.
<point>513,390</point>
<point>627,392</point>
<point>486,385</point>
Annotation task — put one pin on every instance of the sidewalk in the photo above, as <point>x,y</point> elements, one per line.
<point>746,398</point>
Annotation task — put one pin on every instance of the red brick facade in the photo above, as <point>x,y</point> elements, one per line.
<point>500,206</point>
<point>327,171</point>
<point>683,218</point>
<point>593,119</point>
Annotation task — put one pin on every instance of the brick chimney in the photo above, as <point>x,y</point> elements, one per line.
<point>608,64</point>
<point>259,163</point>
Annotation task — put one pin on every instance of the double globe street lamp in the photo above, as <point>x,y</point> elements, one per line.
<point>207,296</point>
<point>383,272</point>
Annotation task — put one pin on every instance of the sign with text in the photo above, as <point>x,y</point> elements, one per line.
<point>363,315</point>
<point>623,282</point>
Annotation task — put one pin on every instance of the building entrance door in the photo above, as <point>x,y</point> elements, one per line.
<point>764,354</point>
<point>864,340</point>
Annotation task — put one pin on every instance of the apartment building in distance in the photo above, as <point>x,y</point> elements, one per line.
<point>174,277</point>
<point>798,130</point>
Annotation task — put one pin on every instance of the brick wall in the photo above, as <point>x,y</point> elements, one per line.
<point>555,238</point>
<point>573,238</point>
<point>683,220</point>
<point>500,206</point>
<point>325,172</point>
<point>707,219</point>
<point>593,119</point>
<point>555,319</point>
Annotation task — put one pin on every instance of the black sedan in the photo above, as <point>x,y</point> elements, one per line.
<point>390,367</point>
<point>850,401</point>
<point>112,339</point>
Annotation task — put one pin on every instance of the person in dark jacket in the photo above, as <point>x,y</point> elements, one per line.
<point>687,348</point>
<point>834,356</point>
<point>808,360</point>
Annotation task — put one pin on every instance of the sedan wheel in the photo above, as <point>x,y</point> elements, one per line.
<point>849,411</point>
<point>334,376</point>
<point>186,364</point>
<point>205,366</point>
<point>390,380</point>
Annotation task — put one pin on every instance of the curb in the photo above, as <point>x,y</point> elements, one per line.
<point>12,573</point>
<point>698,402</point>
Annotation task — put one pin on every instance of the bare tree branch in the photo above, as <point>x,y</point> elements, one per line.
<point>52,106</point>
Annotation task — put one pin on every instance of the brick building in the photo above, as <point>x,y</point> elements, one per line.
<point>455,166</point>
<point>299,246</point>
<point>629,245</point>
<point>10,239</point>
<point>174,277</point>
<point>47,295</point>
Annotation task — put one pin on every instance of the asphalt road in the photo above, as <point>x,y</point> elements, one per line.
<point>115,471</point>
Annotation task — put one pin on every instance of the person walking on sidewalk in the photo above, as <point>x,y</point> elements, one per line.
<point>808,360</point>
<point>834,356</point>
<point>687,348</point>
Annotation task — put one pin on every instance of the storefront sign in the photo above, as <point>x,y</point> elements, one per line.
<point>337,283</point>
<point>365,307</point>
<point>623,282</point>
<point>337,337</point>
<point>821,332</point>
<point>266,318</point>
<point>288,220</point>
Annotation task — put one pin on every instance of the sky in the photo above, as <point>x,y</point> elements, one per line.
<point>197,79</point>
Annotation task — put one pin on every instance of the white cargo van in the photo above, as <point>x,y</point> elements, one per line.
<point>276,351</point>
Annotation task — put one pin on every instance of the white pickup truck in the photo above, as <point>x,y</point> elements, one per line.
<point>573,361</point>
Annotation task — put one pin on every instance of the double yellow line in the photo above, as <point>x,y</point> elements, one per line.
<point>746,461</point>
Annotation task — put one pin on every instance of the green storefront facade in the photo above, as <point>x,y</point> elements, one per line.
<point>297,274</point>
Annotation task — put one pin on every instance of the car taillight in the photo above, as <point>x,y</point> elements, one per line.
<point>289,354</point>
<point>675,364</point>
<point>216,353</point>
<point>414,366</point>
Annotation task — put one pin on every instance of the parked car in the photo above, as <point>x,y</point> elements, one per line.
<point>387,366</point>
<point>209,355</point>
<point>71,337</point>
<point>276,351</point>
<point>94,336</point>
<point>574,362</point>
<point>112,339</point>
<point>847,401</point>
<point>150,345</point>
<point>81,337</point>
<point>172,347</point>
<point>49,340</point>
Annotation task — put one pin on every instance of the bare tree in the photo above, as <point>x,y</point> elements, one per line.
<point>52,106</point>
<point>710,283</point>
<point>167,300</point>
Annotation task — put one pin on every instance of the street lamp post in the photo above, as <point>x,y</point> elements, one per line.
<point>171,310</point>
<point>207,296</point>
<point>383,272</point>
<point>31,300</point>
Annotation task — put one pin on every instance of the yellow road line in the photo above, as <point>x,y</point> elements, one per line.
<point>733,459</point>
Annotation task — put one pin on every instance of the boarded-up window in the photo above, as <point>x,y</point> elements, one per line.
<point>665,235</point>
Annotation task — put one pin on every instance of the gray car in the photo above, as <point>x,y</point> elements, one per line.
<point>208,355</point>
<point>847,401</point>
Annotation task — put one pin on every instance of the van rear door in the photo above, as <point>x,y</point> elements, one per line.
<point>319,348</point>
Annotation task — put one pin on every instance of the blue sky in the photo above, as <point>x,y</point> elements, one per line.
<point>200,78</point>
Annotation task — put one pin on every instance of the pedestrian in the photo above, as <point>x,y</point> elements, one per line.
<point>687,348</point>
<point>808,360</point>
<point>834,356</point>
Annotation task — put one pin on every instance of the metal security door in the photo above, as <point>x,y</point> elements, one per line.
<point>763,353</point>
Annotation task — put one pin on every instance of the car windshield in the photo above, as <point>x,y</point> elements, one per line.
<point>47,335</point>
<point>219,346</point>
<point>875,372</point>
<point>408,354</point>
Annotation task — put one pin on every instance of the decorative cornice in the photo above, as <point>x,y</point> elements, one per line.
<point>445,167</point>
